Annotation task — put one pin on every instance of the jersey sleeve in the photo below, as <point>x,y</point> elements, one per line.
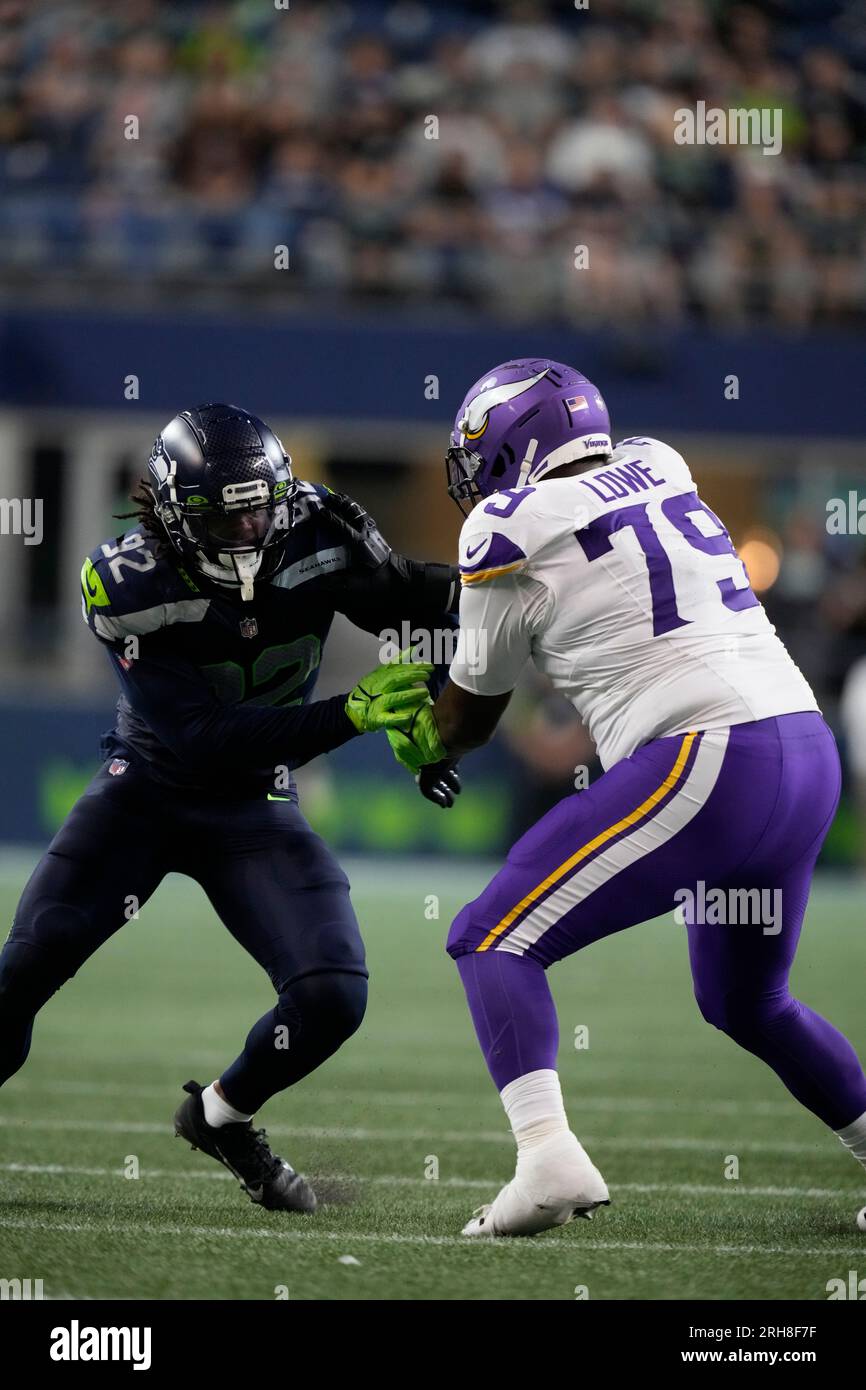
<point>127,592</point>
<point>496,538</point>
<point>498,621</point>
<point>501,605</point>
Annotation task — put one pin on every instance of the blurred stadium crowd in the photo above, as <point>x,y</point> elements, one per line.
<point>307,126</point>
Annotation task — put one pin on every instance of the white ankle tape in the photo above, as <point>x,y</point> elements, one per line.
<point>533,1104</point>
<point>853,1136</point>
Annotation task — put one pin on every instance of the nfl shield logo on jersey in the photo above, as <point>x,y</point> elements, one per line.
<point>249,627</point>
<point>117,766</point>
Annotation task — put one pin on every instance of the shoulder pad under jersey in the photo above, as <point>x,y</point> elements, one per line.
<point>636,469</point>
<point>317,545</point>
<point>502,533</point>
<point>662,460</point>
<point>127,589</point>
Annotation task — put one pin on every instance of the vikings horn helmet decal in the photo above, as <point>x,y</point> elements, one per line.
<point>474,421</point>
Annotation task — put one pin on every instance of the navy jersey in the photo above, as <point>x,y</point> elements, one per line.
<point>216,692</point>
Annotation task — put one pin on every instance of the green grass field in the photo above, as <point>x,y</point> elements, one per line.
<point>659,1098</point>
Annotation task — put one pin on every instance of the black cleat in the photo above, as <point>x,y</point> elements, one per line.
<point>267,1179</point>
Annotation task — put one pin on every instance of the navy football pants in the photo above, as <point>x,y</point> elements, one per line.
<point>273,882</point>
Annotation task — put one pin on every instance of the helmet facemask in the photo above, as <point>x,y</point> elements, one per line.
<point>240,540</point>
<point>462,465</point>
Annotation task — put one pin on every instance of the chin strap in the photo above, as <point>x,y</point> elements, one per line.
<point>246,568</point>
<point>526,466</point>
<point>233,570</point>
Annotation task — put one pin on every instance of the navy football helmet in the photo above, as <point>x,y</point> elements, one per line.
<point>224,491</point>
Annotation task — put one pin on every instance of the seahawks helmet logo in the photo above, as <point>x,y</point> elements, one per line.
<point>474,421</point>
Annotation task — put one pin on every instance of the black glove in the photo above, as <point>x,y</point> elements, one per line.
<point>440,782</point>
<point>360,528</point>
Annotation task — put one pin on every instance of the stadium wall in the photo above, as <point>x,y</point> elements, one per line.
<point>365,369</point>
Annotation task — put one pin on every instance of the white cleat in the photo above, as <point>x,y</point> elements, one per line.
<point>554,1183</point>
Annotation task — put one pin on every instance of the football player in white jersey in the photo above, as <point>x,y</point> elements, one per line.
<point>603,566</point>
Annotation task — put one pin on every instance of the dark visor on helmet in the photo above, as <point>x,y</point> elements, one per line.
<point>461,466</point>
<point>250,528</point>
<point>239,528</point>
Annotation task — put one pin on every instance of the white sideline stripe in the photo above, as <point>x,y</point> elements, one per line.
<point>456,1136</point>
<point>50,1226</point>
<point>432,1099</point>
<point>401,1180</point>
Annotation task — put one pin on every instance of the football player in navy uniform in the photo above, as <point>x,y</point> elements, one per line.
<point>213,611</point>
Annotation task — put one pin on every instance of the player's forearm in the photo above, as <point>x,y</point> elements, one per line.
<point>458,741</point>
<point>408,597</point>
<point>424,594</point>
<point>435,586</point>
<point>423,587</point>
<point>456,745</point>
<point>466,721</point>
<point>237,736</point>
<point>206,734</point>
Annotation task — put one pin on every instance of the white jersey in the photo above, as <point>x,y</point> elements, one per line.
<point>624,589</point>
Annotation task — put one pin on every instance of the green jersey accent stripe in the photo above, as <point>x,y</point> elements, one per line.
<point>93,588</point>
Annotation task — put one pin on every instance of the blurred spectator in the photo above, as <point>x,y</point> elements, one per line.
<point>602,147</point>
<point>551,747</point>
<point>453,153</point>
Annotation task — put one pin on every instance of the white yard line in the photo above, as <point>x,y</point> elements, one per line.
<point>359,1134</point>
<point>474,1184</point>
<point>431,1099</point>
<point>146,1229</point>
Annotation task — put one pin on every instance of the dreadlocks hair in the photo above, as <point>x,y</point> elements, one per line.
<point>144,513</point>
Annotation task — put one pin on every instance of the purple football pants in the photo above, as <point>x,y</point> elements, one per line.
<point>744,810</point>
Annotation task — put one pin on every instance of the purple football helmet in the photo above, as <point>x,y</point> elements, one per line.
<point>518,423</point>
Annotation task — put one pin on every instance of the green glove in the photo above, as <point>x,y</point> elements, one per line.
<point>389,695</point>
<point>417,743</point>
